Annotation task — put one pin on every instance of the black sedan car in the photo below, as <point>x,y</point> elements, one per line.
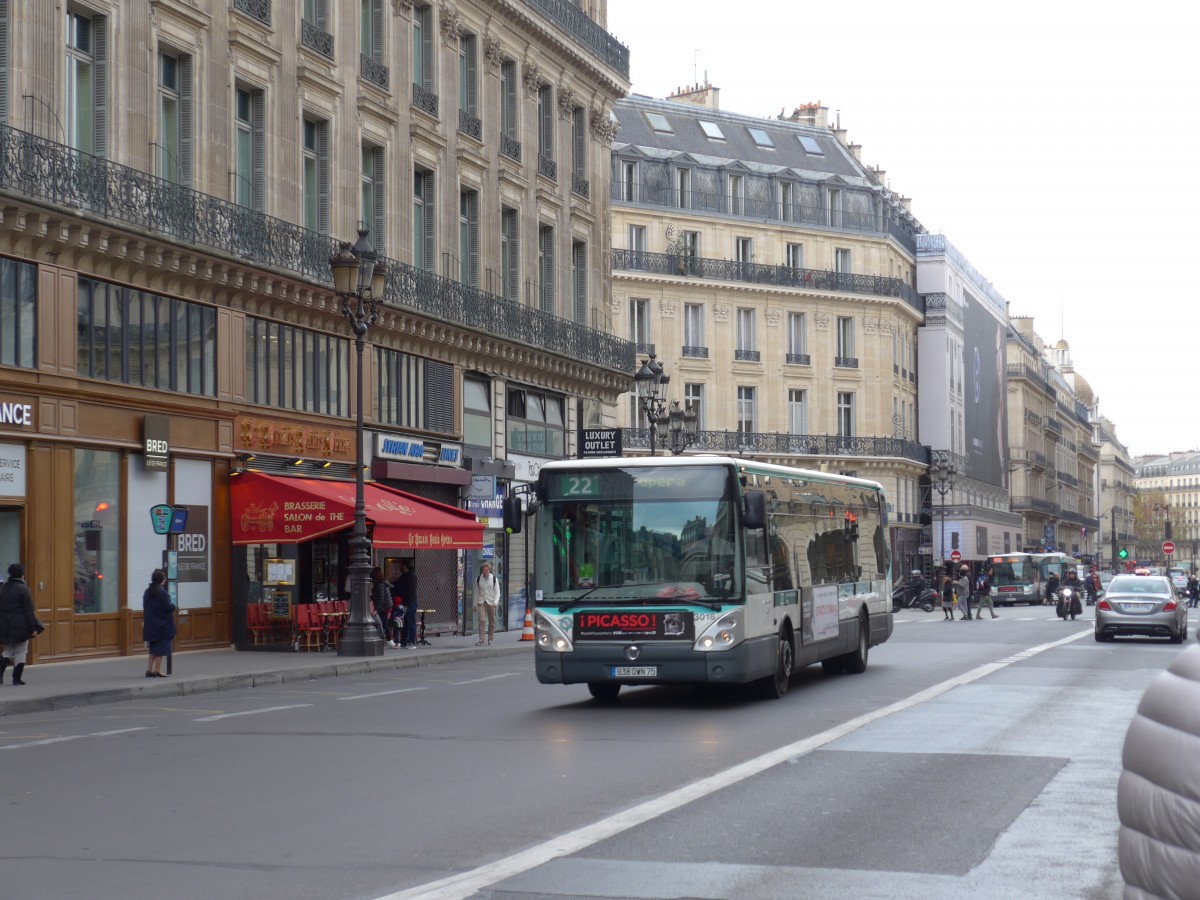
<point>1146,605</point>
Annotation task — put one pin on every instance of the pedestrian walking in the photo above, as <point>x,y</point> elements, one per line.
<point>1193,591</point>
<point>158,623</point>
<point>406,587</point>
<point>1159,791</point>
<point>487,596</point>
<point>381,600</point>
<point>18,623</point>
<point>964,592</point>
<point>983,594</point>
<point>947,588</point>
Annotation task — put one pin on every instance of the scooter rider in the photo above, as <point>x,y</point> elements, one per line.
<point>1051,590</point>
<point>915,586</point>
<point>1075,606</point>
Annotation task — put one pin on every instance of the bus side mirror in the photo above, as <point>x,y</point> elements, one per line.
<point>512,514</point>
<point>754,510</point>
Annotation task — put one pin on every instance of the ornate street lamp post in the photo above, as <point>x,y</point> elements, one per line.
<point>941,476</point>
<point>358,278</point>
<point>674,426</point>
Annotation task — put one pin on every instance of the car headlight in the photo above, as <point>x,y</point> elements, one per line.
<point>553,636</point>
<point>725,632</point>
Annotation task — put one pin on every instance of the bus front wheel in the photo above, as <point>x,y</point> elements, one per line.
<point>775,685</point>
<point>604,691</point>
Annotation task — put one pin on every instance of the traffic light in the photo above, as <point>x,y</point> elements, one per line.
<point>1123,553</point>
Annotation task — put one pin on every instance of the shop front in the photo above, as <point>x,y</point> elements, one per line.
<point>290,550</point>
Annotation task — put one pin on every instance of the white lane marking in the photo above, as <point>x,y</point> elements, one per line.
<point>250,712</point>
<point>467,883</point>
<point>484,678</point>
<point>381,693</point>
<point>73,737</point>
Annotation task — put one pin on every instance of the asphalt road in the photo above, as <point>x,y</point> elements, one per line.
<point>972,759</point>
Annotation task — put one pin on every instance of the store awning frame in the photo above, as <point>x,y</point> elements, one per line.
<point>277,509</point>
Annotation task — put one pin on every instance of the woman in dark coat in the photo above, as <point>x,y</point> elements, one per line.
<point>17,622</point>
<point>158,623</point>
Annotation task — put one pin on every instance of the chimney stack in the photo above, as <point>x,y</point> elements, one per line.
<point>702,95</point>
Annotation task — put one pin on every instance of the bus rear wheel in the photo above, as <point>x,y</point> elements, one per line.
<point>855,662</point>
<point>604,691</point>
<point>775,685</point>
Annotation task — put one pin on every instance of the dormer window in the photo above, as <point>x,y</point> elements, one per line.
<point>761,137</point>
<point>713,130</point>
<point>810,145</point>
<point>659,123</point>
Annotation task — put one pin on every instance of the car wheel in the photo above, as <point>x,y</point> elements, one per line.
<point>1099,638</point>
<point>1178,637</point>
<point>604,691</point>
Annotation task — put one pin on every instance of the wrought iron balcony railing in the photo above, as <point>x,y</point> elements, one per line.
<point>1036,504</point>
<point>1054,425</point>
<point>471,126</point>
<point>316,39</point>
<point>845,362</point>
<point>574,20</point>
<point>758,273</point>
<point>1017,370</point>
<point>425,100</point>
<point>770,443</point>
<point>580,185</point>
<point>798,359</point>
<point>770,208</point>
<point>372,71</point>
<point>255,9</point>
<point>547,167</point>
<point>693,352</point>
<point>510,147</point>
<point>92,187</point>
<point>747,355</point>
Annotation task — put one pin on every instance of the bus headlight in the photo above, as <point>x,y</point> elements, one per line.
<point>722,634</point>
<point>551,635</point>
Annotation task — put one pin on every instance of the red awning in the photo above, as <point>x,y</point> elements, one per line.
<point>274,509</point>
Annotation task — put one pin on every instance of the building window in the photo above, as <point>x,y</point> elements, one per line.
<point>546,268</point>
<point>413,392</point>
<point>373,213</point>
<point>250,162</point>
<point>845,336</point>
<point>737,195</point>
<point>422,51</point>
<point>841,261</point>
<point>835,208</point>
<point>579,279</point>
<point>746,338</point>
<point>18,314</point>
<point>314,28</point>
<point>797,338</point>
<point>746,412</point>
<point>293,368</point>
<point>477,414</point>
<point>510,125</point>
<point>787,202</point>
<point>535,423</point>
<point>423,220</point>
<point>87,82</point>
<point>468,237</point>
<point>371,64</point>
<point>795,256</point>
<point>138,338</point>
<point>693,325</point>
<point>797,411</point>
<point>316,175</point>
<point>683,181</point>
<point>175,118</point>
<point>845,414</point>
<point>693,397</point>
<point>637,247</point>
<point>628,182</point>
<point>4,57</point>
<point>98,516</point>
<point>509,255</point>
<point>579,142</point>
<point>545,101</point>
<point>468,86</point>
<point>690,249</point>
<point>639,324</point>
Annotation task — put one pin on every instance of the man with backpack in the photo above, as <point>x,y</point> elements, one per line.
<point>983,594</point>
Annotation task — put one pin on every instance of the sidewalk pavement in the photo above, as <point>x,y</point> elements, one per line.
<point>62,685</point>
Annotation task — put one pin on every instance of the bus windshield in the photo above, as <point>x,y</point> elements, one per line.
<point>638,533</point>
<point>1013,571</point>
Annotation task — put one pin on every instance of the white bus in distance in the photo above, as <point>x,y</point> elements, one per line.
<point>704,570</point>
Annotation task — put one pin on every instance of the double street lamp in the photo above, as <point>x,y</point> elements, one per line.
<point>358,279</point>
<point>673,425</point>
<point>942,475</point>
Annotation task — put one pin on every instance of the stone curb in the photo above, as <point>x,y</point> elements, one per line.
<point>203,684</point>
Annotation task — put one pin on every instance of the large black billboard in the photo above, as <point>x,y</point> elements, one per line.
<point>986,400</point>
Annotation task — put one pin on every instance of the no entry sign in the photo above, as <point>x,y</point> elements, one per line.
<point>1168,547</point>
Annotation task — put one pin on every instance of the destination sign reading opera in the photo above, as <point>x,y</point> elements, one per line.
<point>692,483</point>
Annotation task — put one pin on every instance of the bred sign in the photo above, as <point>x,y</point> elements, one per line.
<point>634,625</point>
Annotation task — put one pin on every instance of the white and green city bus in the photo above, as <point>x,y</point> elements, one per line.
<point>705,570</point>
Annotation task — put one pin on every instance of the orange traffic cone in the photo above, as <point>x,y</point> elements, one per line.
<point>527,633</point>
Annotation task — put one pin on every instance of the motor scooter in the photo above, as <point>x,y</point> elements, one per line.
<point>907,597</point>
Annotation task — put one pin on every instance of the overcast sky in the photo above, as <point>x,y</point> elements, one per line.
<point>1052,142</point>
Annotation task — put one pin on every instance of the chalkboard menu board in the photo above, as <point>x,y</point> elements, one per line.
<point>281,605</point>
